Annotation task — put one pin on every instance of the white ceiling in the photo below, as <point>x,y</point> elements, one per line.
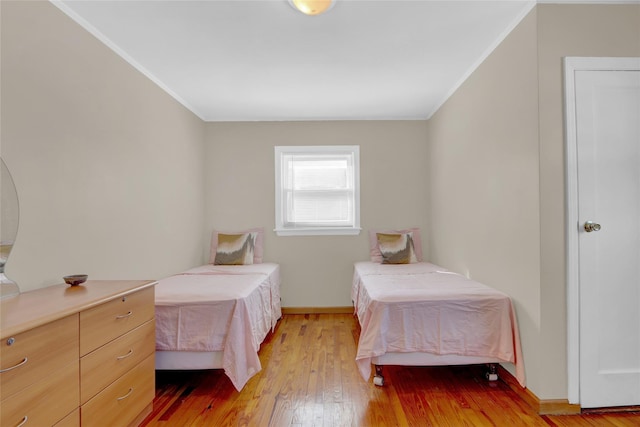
<point>241,60</point>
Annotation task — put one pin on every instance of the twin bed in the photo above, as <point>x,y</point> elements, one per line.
<point>415,313</point>
<point>420,314</point>
<point>217,316</point>
<point>410,312</point>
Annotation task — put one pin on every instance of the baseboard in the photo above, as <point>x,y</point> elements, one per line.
<point>611,410</point>
<point>542,407</point>
<point>558,407</point>
<point>317,310</point>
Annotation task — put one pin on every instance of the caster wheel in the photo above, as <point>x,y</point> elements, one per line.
<point>378,380</point>
<point>492,377</point>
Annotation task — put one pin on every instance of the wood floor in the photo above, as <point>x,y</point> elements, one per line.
<point>309,378</point>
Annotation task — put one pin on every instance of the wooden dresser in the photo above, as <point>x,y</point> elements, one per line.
<point>78,355</point>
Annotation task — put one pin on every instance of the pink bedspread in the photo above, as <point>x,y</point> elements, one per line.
<point>425,308</point>
<point>220,308</point>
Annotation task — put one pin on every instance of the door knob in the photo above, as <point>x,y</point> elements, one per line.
<point>590,226</point>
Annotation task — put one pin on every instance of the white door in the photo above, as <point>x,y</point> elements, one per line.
<point>607,111</point>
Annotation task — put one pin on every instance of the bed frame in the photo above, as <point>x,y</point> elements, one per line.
<point>429,359</point>
<point>188,360</point>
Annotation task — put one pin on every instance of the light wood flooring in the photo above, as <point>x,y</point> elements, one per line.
<point>309,378</point>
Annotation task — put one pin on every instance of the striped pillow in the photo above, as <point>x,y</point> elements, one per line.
<point>396,248</point>
<point>235,249</point>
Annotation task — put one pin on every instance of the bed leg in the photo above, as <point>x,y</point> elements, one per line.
<point>378,379</point>
<point>492,373</point>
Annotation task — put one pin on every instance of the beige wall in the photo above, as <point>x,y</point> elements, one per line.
<point>108,167</point>
<point>496,180</point>
<point>566,30</point>
<point>483,181</point>
<point>316,270</point>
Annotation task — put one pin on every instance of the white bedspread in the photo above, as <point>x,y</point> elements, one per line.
<point>425,308</point>
<point>220,308</point>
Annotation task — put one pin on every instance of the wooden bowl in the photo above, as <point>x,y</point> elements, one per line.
<point>75,279</point>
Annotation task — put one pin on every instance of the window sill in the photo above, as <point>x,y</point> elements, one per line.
<point>323,231</point>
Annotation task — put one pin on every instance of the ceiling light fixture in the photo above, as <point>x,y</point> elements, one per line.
<point>312,7</point>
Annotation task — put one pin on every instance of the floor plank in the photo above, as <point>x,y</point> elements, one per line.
<point>309,378</point>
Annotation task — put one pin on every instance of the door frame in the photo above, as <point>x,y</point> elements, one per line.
<point>571,66</point>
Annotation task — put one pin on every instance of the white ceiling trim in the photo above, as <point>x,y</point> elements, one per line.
<point>589,1</point>
<point>484,56</point>
<point>399,61</point>
<point>101,37</point>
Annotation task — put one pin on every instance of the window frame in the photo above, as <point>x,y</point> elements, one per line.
<point>305,230</point>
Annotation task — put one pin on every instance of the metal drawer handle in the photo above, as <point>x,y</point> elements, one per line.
<point>23,422</point>
<point>126,395</point>
<point>122,316</point>
<point>16,366</point>
<point>125,356</point>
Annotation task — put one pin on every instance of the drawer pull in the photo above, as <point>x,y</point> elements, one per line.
<point>15,366</point>
<point>126,395</point>
<point>124,316</point>
<point>125,356</point>
<point>23,422</point>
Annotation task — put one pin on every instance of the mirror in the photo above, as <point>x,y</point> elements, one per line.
<point>9,214</point>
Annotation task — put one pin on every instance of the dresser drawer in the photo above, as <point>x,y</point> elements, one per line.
<point>45,402</point>
<point>37,353</point>
<point>101,367</point>
<point>71,420</point>
<point>103,323</point>
<point>122,401</point>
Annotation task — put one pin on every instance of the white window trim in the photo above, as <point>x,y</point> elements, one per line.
<point>317,231</point>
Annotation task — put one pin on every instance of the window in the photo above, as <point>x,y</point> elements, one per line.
<point>317,190</point>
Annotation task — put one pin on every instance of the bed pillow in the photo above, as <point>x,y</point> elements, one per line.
<point>257,243</point>
<point>374,250</point>
<point>235,249</point>
<point>396,248</point>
